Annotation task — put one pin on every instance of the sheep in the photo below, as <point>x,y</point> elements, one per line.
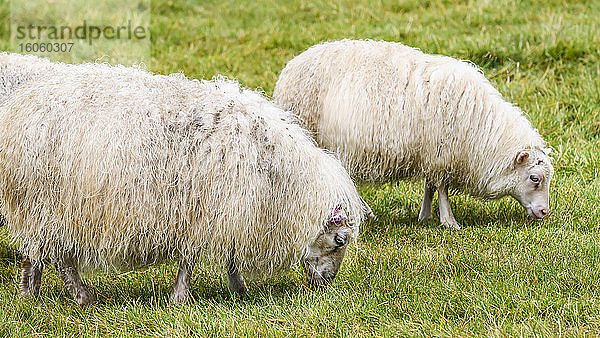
<point>391,112</point>
<point>111,168</point>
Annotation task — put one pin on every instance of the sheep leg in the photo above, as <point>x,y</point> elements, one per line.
<point>446,216</point>
<point>31,278</point>
<point>425,213</point>
<point>68,273</point>
<point>235,280</point>
<point>181,290</point>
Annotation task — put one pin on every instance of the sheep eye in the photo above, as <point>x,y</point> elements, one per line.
<point>340,240</point>
<point>534,178</point>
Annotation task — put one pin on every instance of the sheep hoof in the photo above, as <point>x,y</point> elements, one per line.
<point>237,285</point>
<point>84,298</point>
<point>29,293</point>
<point>235,280</point>
<point>239,289</point>
<point>451,225</point>
<point>178,297</point>
<point>425,218</point>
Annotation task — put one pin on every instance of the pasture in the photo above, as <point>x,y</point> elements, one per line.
<point>501,274</point>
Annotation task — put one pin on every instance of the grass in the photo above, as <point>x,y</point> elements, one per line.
<point>502,274</point>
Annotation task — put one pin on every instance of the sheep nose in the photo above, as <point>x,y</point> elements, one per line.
<point>544,212</point>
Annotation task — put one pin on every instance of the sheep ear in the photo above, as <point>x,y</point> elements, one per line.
<point>521,157</point>
<point>367,212</point>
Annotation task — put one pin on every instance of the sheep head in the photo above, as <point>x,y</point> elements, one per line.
<point>533,172</point>
<point>326,254</point>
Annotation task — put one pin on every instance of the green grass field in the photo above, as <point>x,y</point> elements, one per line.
<point>502,274</point>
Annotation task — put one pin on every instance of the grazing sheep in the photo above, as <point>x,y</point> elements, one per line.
<point>114,168</point>
<point>391,111</point>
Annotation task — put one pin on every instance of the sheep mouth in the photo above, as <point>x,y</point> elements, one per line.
<point>535,214</point>
<point>318,279</point>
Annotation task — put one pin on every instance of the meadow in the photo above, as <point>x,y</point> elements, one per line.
<point>502,274</point>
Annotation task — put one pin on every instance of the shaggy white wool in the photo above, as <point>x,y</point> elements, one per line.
<point>118,167</point>
<point>17,69</point>
<point>391,111</point>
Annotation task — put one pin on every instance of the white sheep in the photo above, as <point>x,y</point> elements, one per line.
<point>391,111</point>
<point>113,167</point>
